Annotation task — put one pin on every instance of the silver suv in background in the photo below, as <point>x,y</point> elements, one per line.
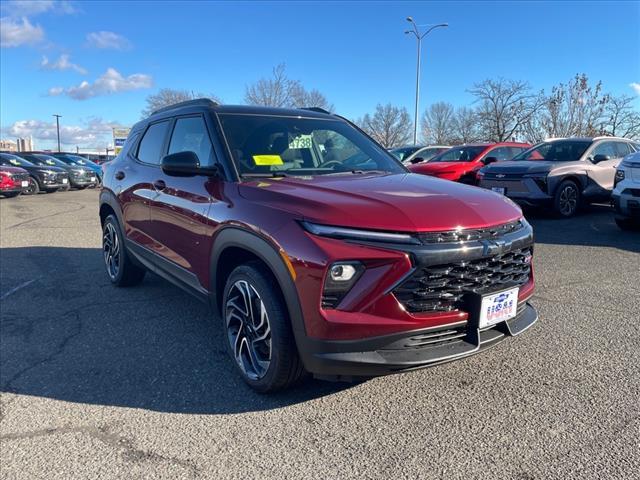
<point>561,173</point>
<point>626,192</point>
<point>410,154</point>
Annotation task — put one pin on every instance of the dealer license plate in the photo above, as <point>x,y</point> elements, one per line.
<point>64,180</point>
<point>25,183</point>
<point>93,179</point>
<point>498,307</point>
<point>500,190</point>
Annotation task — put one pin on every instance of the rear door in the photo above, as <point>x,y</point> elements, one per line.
<point>180,205</point>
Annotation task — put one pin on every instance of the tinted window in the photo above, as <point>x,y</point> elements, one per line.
<point>150,149</point>
<point>403,152</point>
<point>14,161</point>
<point>190,135</point>
<point>605,148</point>
<point>516,151</point>
<point>562,151</point>
<point>460,154</point>
<point>501,153</point>
<point>623,149</point>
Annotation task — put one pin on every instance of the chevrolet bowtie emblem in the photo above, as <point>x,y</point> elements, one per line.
<point>500,175</point>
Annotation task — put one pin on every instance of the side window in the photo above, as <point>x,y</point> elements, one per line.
<point>150,149</point>
<point>501,153</point>
<point>129,143</point>
<point>516,151</point>
<point>190,135</point>
<point>605,148</point>
<point>623,149</point>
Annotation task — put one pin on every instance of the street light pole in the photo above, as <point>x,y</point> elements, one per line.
<point>416,32</point>
<point>58,129</point>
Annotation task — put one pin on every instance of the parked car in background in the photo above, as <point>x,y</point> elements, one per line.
<point>337,262</point>
<point>560,173</point>
<point>461,163</point>
<point>79,177</point>
<point>626,191</point>
<point>13,180</point>
<point>411,154</point>
<point>46,179</point>
<point>80,161</point>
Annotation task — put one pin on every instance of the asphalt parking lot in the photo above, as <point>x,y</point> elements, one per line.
<point>98,382</point>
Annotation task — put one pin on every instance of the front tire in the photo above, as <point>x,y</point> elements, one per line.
<point>122,272</point>
<point>33,188</point>
<point>566,200</point>
<point>258,332</point>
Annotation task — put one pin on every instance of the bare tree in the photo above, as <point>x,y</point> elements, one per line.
<point>465,126</point>
<point>169,96</point>
<point>389,125</point>
<point>504,107</point>
<point>571,110</point>
<point>281,91</point>
<point>438,124</point>
<point>621,119</point>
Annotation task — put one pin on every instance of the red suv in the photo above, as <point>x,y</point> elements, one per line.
<point>461,163</point>
<point>318,250</point>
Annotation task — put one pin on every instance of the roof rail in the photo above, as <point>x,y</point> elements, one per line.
<point>203,102</point>
<point>317,110</point>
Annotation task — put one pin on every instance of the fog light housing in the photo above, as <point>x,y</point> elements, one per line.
<point>618,178</point>
<point>340,278</point>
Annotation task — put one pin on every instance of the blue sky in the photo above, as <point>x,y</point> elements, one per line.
<point>353,52</point>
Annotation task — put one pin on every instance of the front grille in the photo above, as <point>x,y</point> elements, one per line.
<point>441,288</point>
<point>469,235</point>
<point>438,337</point>
<point>502,176</point>
<point>20,177</point>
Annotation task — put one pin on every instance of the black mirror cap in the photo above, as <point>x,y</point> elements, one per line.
<point>601,158</point>
<point>185,164</point>
<point>417,160</point>
<point>488,160</point>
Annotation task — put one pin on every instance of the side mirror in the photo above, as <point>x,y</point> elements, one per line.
<point>488,160</point>
<point>600,158</point>
<point>417,160</point>
<point>185,164</point>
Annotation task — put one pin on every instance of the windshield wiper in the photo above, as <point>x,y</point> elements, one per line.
<point>267,175</point>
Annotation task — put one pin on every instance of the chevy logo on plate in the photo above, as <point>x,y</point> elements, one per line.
<point>500,298</point>
<point>500,175</point>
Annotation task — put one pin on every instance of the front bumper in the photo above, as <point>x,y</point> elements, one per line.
<point>522,190</point>
<point>410,350</point>
<point>626,204</point>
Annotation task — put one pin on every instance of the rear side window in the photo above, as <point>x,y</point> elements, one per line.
<point>190,135</point>
<point>150,149</point>
<point>623,149</point>
<point>500,153</point>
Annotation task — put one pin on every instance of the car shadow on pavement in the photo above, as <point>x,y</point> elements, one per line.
<point>593,226</point>
<point>70,335</point>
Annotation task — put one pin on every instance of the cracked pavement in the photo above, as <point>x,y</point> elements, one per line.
<point>98,382</point>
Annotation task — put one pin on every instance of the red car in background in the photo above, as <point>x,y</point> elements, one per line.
<point>13,180</point>
<point>461,163</point>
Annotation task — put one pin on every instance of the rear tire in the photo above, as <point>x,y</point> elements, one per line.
<point>258,334</point>
<point>566,200</point>
<point>121,270</point>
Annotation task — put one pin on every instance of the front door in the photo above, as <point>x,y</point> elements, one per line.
<point>604,171</point>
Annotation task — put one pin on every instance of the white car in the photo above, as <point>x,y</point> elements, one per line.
<point>626,192</point>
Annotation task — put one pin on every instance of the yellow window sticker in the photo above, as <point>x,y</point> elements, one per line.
<point>267,160</point>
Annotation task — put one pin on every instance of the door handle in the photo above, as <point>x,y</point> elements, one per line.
<point>159,185</point>
<point>119,175</point>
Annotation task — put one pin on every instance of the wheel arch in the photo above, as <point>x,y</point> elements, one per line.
<point>579,179</point>
<point>235,246</point>
<point>109,205</point>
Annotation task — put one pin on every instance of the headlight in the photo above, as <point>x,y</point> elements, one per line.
<point>356,234</point>
<point>618,178</point>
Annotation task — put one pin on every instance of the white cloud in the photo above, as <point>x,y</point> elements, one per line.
<point>108,83</point>
<point>24,8</point>
<point>14,32</point>
<point>108,40</point>
<point>636,87</point>
<point>95,132</point>
<point>62,63</point>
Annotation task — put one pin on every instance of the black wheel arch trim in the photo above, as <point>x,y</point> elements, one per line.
<point>107,197</point>
<point>270,254</point>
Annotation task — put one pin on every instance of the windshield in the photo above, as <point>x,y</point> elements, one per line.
<point>266,145</point>
<point>77,160</point>
<point>40,159</point>
<point>565,151</point>
<point>460,154</point>
<point>403,152</point>
<point>13,160</point>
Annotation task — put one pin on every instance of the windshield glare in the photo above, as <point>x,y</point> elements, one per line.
<point>265,145</point>
<point>47,160</point>
<point>460,154</point>
<point>9,160</point>
<point>555,151</point>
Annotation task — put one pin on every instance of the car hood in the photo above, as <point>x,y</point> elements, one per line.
<point>43,168</point>
<point>14,170</point>
<point>399,202</point>
<point>520,167</point>
<point>434,168</point>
